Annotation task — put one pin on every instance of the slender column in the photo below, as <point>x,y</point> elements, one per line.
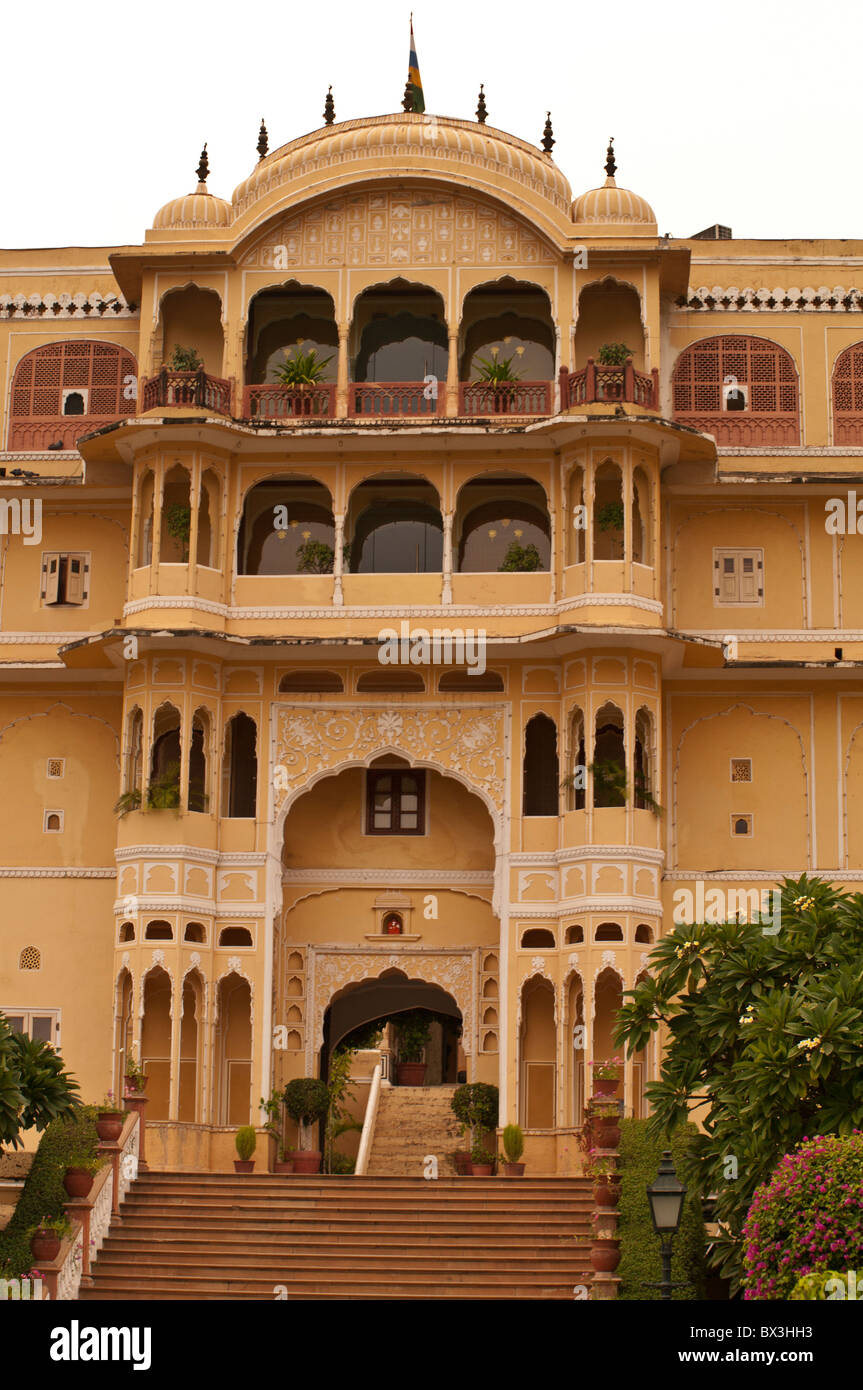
<point>338,557</point>
<point>627,523</point>
<point>446,596</point>
<point>195,490</point>
<point>452,375</point>
<point>342,378</point>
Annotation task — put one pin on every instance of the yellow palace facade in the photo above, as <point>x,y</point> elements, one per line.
<point>576,474</point>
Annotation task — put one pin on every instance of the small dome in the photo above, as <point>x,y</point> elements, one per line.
<point>193,211</point>
<point>615,210</point>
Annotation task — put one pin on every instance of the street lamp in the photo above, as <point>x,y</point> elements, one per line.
<point>666,1195</point>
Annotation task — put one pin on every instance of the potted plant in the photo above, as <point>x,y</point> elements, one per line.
<point>605,1251</point>
<point>460,1106</point>
<point>134,1076</point>
<point>315,557</point>
<point>513,1148</point>
<point>499,373</point>
<point>482,1160</point>
<point>413,1035</point>
<point>185,359</point>
<point>307,1101</point>
<point>82,1169</point>
<point>275,1128</point>
<point>613,355</point>
<point>606,1076</point>
<point>178,519</point>
<point>521,559</point>
<point>606,1180</point>
<point>301,369</point>
<point>605,1119</point>
<point>45,1239</point>
<point>129,801</point>
<point>245,1141</point>
<point>109,1119</point>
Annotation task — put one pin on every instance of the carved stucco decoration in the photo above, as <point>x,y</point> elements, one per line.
<point>469,743</point>
<point>453,971</point>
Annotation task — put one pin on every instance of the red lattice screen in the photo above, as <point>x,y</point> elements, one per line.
<point>848,396</point>
<point>766,370</point>
<point>36,416</point>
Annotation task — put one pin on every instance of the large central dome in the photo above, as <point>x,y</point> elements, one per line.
<point>408,143</point>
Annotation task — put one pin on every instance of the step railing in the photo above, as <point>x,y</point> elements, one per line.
<point>366,1138</point>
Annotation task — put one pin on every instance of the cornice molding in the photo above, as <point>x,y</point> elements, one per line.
<point>452,610</point>
<point>207,856</point>
<point>414,878</point>
<point>824,300</point>
<point>48,306</point>
<point>574,854</point>
<point>66,871</point>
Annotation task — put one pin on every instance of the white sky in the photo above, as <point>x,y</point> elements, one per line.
<point>747,115</point>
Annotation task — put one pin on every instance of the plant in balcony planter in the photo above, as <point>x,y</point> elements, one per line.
<point>315,557</point>
<point>609,782</point>
<point>613,354</point>
<point>133,1075</point>
<point>301,368</point>
<point>606,1075</point>
<point>129,801</point>
<point>498,372</point>
<point>307,1100</point>
<point>413,1030</point>
<point>513,1148</point>
<point>163,793</point>
<point>520,559</point>
<point>45,1238</point>
<point>245,1141</point>
<point>185,359</point>
<point>109,1120</point>
<point>178,519</point>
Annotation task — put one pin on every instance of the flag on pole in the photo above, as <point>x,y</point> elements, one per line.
<point>416,82</point>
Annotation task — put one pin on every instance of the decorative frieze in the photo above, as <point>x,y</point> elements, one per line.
<point>66,306</point>
<point>781,300</point>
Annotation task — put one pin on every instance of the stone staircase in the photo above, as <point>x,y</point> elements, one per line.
<point>212,1236</point>
<point>413,1121</point>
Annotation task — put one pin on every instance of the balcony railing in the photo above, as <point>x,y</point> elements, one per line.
<point>595,383</point>
<point>197,389</point>
<point>514,398</point>
<point>746,429</point>
<point>52,431</point>
<point>289,402</point>
<point>399,398</point>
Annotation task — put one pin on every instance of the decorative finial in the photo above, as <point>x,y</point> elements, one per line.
<point>408,98</point>
<point>329,108</point>
<point>547,136</point>
<point>610,166</point>
<point>203,166</point>
<point>263,141</point>
<point>481,112</point>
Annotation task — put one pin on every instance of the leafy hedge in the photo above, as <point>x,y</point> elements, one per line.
<point>639,1245</point>
<point>43,1195</point>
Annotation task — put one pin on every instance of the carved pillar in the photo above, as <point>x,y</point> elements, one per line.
<point>338,557</point>
<point>342,377</point>
<point>446,596</point>
<point>452,376</point>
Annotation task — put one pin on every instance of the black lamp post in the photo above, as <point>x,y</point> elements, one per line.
<point>666,1195</point>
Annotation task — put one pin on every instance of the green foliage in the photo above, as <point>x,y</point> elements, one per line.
<point>129,801</point>
<point>763,1034</point>
<point>339,1119</point>
<point>367,1035</point>
<point>413,1034</point>
<point>58,1225</point>
<point>245,1142</point>
<point>274,1125</point>
<point>640,1152</point>
<point>341,1165</point>
<point>307,1100</point>
<point>807,1217</point>
<point>68,1142</point>
<point>163,793</point>
<point>185,359</point>
<point>814,1287</point>
<point>475,1106</point>
<point>609,782</point>
<point>301,368</point>
<point>609,517</point>
<point>613,355</point>
<point>498,372</point>
<point>178,519</point>
<point>35,1088</point>
<point>480,1154</point>
<point>520,559</point>
<point>513,1143</point>
<point>315,557</point>
<point>132,1070</point>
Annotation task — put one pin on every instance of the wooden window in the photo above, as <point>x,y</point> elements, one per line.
<point>738,577</point>
<point>42,1025</point>
<point>65,578</point>
<point>395,803</point>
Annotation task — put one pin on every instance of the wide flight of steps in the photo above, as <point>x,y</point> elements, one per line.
<point>413,1121</point>
<point>225,1237</point>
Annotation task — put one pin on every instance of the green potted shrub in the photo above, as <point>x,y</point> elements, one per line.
<point>109,1119</point>
<point>46,1237</point>
<point>245,1141</point>
<point>133,1075</point>
<point>163,793</point>
<point>301,369</point>
<point>185,359</point>
<point>513,1148</point>
<point>606,1180</point>
<point>307,1100</point>
<point>613,355</point>
<point>129,801</point>
<point>413,1035</point>
<point>521,559</point>
<point>482,1159</point>
<point>275,1129</point>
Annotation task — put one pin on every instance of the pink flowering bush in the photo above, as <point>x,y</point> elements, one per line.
<point>807,1218</point>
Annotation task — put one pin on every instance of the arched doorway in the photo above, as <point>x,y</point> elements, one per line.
<point>354,1010</point>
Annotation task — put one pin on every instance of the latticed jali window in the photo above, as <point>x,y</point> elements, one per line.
<point>765,369</point>
<point>30,959</point>
<point>848,396</point>
<point>67,380</point>
<point>741,769</point>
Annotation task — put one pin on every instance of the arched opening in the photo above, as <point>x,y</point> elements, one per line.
<point>541,937</point>
<point>287,527</point>
<point>209,521</point>
<point>574,935</point>
<point>233,1043</point>
<point>470,683</point>
<point>287,323</point>
<point>743,390</point>
<point>176,517</point>
<point>191,1040</point>
<point>507,346</point>
<point>382,1000</point>
<point>132,780</point>
<point>576,525</point>
<point>645,760</point>
<point>609,760</point>
<point>195,932</point>
<point>396,527</point>
<point>502,524</point>
<point>642,526</point>
<point>127,932</point>
<point>240,768</point>
<point>63,390</point>
<point>73,403</point>
<point>156,1042</point>
<point>235,936</point>
<point>540,769</point>
<point>576,782</point>
<point>608,999</point>
<point>191,318</point>
<point>399,334</point>
<point>123,1025</point>
<point>848,396</point>
<point>145,519</point>
<point>644,933</point>
<point>575,1014</point>
<point>608,931</point>
<point>538,1055</point>
<point>608,532</point>
<point>158,931</point>
<point>389,678</point>
<point>312,681</point>
<point>609,313</point>
<point>199,788</point>
<point>164,789</point>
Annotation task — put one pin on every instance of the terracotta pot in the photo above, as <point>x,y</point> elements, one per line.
<point>45,1245</point>
<point>77,1182</point>
<point>283,1165</point>
<point>514,1170</point>
<point>244,1165</point>
<point>602,1087</point>
<point>135,1087</point>
<point>605,1255</point>
<point>481,1170</point>
<point>607,1132</point>
<point>109,1126</point>
<point>411,1073</point>
<point>606,1194</point>
<point>308,1161</point>
<point>461,1159</point>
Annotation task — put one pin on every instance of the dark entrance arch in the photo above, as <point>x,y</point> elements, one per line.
<point>391,994</point>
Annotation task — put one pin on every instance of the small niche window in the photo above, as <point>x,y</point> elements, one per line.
<point>741,769</point>
<point>395,803</point>
<point>30,958</point>
<point>538,936</point>
<point>574,936</point>
<point>194,932</point>
<point>310,682</point>
<point>158,931</point>
<point>235,936</point>
<point>741,825</point>
<point>392,924</point>
<point>608,931</point>
<point>41,1025</point>
<point>75,402</point>
<point>56,767</point>
<point>738,577</point>
<point>65,578</point>
<point>643,933</point>
<point>53,822</point>
<point>127,932</point>
<point>734,395</point>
